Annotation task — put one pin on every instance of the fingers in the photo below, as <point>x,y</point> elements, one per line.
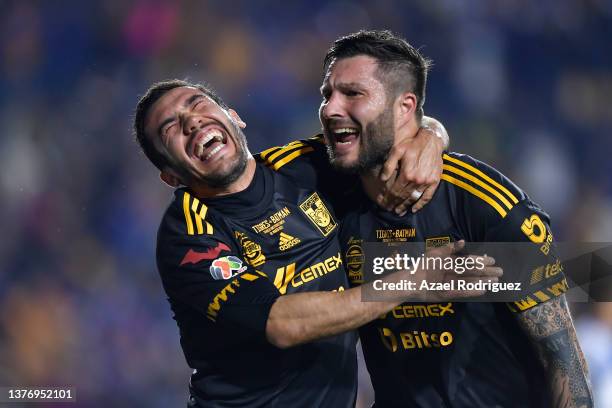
<point>486,273</point>
<point>411,185</point>
<point>400,190</point>
<point>414,165</point>
<point>445,250</point>
<point>462,294</point>
<point>394,193</point>
<point>425,198</point>
<point>416,198</point>
<point>392,163</point>
<point>458,246</point>
<point>468,282</point>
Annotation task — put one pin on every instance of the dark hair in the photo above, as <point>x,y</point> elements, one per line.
<point>152,95</point>
<point>400,65</point>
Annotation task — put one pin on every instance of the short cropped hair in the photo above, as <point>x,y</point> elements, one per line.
<point>401,67</point>
<point>152,95</point>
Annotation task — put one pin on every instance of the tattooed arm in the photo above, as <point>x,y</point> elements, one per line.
<point>550,328</point>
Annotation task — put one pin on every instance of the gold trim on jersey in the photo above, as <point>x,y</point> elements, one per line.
<point>285,149</point>
<point>482,175</point>
<point>277,157</point>
<point>193,208</point>
<point>268,151</point>
<point>478,182</point>
<point>488,189</point>
<point>475,192</point>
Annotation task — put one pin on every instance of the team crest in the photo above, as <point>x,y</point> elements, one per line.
<point>251,250</point>
<point>436,242</point>
<point>226,267</point>
<point>316,211</point>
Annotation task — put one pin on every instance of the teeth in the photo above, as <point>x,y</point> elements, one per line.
<point>344,130</point>
<point>213,152</point>
<point>213,134</point>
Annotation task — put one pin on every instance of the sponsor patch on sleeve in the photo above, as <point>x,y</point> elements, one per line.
<point>226,267</point>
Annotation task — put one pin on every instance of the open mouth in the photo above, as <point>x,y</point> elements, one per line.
<point>208,143</point>
<point>344,137</point>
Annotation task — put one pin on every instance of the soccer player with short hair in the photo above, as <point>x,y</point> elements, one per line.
<point>441,354</point>
<point>249,258</point>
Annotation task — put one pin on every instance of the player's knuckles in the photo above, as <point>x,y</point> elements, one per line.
<point>457,245</point>
<point>488,260</point>
<point>495,271</point>
<point>419,204</point>
<point>400,209</point>
<point>431,179</point>
<point>420,179</point>
<point>409,176</point>
<point>397,150</point>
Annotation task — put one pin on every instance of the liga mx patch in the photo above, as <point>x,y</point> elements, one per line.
<point>226,267</point>
<point>436,242</point>
<point>317,213</point>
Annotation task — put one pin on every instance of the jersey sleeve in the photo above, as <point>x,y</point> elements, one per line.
<point>535,262</point>
<point>203,269</point>
<point>306,163</point>
<point>492,210</point>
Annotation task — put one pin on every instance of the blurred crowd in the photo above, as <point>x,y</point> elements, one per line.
<point>520,84</point>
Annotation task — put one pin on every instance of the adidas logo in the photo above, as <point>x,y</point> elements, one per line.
<point>286,241</point>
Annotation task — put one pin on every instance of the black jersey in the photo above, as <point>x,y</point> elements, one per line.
<point>457,354</point>
<point>223,263</point>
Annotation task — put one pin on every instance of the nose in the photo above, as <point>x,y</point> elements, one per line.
<point>192,123</point>
<point>333,108</point>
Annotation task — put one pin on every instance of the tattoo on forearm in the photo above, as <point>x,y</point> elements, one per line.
<point>550,326</point>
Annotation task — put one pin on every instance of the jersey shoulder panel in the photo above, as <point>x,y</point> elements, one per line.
<point>306,163</point>
<point>190,217</point>
<point>481,184</point>
<point>189,234</point>
<point>296,153</point>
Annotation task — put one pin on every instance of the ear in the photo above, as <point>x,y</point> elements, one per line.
<point>236,118</point>
<point>407,105</point>
<point>170,178</point>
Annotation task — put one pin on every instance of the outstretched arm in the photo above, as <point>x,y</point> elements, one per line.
<point>302,317</point>
<point>550,328</point>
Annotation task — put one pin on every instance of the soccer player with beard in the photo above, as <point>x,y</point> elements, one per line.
<point>249,258</point>
<point>520,354</point>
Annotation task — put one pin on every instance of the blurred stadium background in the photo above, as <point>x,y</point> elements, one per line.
<point>521,84</point>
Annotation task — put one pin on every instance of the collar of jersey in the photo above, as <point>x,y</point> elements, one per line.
<point>253,200</point>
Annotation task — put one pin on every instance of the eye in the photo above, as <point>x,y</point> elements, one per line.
<point>352,93</point>
<point>198,102</point>
<point>167,129</point>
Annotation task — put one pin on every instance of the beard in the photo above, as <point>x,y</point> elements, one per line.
<point>375,143</point>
